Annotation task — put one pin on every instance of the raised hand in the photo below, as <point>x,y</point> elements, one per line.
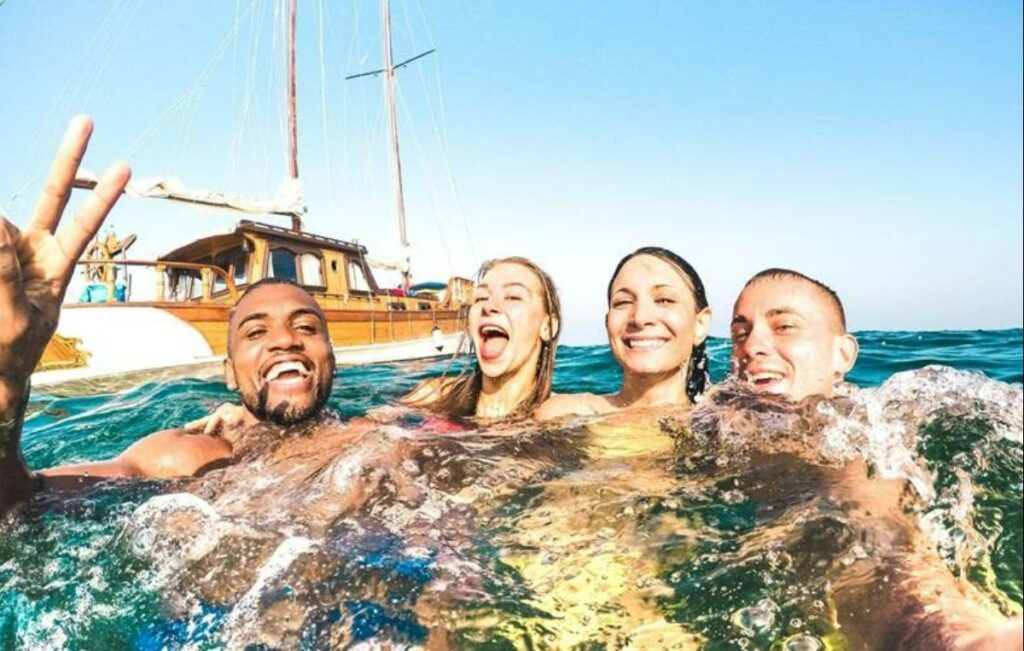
<point>36,262</point>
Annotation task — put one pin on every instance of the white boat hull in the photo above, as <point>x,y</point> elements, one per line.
<point>138,344</point>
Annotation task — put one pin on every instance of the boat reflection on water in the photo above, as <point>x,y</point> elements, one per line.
<point>649,532</point>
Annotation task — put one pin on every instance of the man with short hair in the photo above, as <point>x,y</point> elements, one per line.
<point>789,336</point>
<point>279,358</point>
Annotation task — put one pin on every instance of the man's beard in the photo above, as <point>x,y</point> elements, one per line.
<point>284,413</point>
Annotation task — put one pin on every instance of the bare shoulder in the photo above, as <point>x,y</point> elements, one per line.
<point>573,404</point>
<point>174,453</point>
<point>428,391</point>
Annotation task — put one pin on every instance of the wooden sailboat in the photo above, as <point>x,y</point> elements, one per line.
<point>108,338</point>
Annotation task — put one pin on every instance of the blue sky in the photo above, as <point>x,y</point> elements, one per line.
<point>877,146</point>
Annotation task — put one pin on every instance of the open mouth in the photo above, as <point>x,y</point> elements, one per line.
<point>287,372</point>
<point>765,380</point>
<point>493,341</point>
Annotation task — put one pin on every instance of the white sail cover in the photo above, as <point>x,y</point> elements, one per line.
<point>289,199</point>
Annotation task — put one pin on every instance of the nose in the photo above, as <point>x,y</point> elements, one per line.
<point>756,343</point>
<point>283,337</point>
<point>642,312</point>
<point>490,305</point>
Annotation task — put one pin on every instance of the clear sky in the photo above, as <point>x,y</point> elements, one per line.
<point>875,145</point>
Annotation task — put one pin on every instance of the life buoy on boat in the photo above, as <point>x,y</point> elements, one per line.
<point>438,338</point>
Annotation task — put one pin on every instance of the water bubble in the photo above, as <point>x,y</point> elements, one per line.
<point>804,642</point>
<point>733,497</point>
<point>757,618</point>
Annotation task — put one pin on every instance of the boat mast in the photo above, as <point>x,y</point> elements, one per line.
<point>293,120</point>
<point>388,71</point>
<point>389,102</point>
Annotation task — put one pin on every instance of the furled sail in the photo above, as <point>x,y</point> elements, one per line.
<point>289,200</point>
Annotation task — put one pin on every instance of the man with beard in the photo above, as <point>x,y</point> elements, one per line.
<point>279,355</point>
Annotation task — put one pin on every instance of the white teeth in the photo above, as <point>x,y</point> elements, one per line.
<point>284,367</point>
<point>644,343</point>
<point>767,375</point>
<point>489,331</point>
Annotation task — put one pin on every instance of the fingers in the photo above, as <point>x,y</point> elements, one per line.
<point>62,174</point>
<point>213,425</point>
<point>75,236</point>
<point>207,425</point>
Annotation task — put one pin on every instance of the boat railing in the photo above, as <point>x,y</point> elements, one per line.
<point>209,275</point>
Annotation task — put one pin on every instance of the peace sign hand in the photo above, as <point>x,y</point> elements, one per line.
<point>36,263</point>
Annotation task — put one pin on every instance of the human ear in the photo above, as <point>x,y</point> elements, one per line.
<point>229,375</point>
<point>701,326</point>
<point>549,329</point>
<point>845,354</point>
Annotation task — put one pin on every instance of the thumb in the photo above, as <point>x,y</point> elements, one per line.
<point>10,269</point>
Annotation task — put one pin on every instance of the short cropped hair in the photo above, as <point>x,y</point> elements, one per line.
<point>263,282</point>
<point>776,273</point>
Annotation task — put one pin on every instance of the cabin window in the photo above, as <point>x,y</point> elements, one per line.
<point>356,278</point>
<point>183,285</point>
<point>232,261</point>
<point>312,270</point>
<point>282,265</point>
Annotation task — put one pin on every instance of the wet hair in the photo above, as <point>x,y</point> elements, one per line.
<point>458,396</point>
<point>697,377</point>
<point>830,295</point>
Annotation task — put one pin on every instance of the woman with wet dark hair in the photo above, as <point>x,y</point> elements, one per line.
<point>658,319</point>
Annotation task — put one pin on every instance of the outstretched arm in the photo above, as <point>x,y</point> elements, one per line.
<point>903,596</point>
<point>36,264</point>
<point>161,455</point>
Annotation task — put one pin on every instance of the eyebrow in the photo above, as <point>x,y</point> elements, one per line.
<point>778,311</point>
<point>511,284</point>
<point>659,286</point>
<point>302,311</point>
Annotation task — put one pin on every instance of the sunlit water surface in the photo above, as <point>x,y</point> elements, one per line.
<point>651,532</point>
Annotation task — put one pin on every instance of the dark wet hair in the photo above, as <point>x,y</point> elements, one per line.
<point>263,282</point>
<point>776,273</point>
<point>459,396</point>
<point>697,377</point>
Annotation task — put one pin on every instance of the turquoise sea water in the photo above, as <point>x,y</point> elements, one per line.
<point>72,574</point>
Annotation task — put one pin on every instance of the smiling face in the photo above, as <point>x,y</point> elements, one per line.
<point>787,339</point>
<point>653,322</point>
<point>280,357</point>
<point>508,320</point>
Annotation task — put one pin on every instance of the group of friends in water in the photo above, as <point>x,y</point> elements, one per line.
<point>789,340</point>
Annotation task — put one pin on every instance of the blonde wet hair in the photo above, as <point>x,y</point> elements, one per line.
<point>457,397</point>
